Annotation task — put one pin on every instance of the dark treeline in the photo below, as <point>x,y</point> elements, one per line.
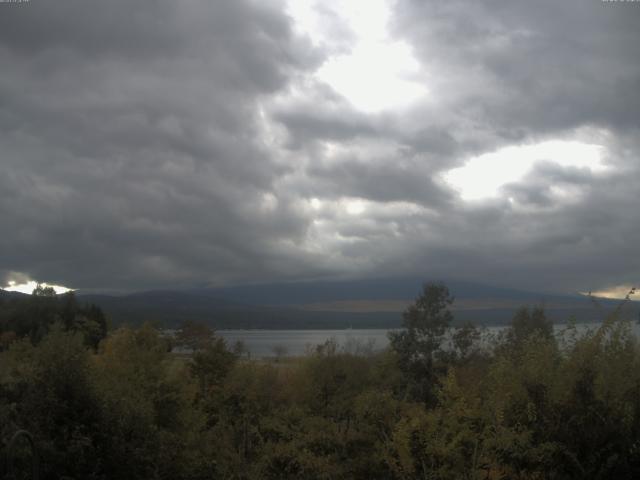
<point>32,316</point>
<point>439,403</point>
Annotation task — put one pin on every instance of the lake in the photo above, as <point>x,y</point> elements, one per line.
<point>261,343</point>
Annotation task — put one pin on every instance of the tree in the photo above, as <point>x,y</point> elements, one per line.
<point>194,335</point>
<point>240,348</point>
<point>465,338</point>
<point>417,345</point>
<point>211,364</point>
<point>149,425</point>
<point>34,315</point>
<point>280,351</point>
<point>43,291</point>
<point>526,323</point>
<point>47,390</point>
<point>211,360</point>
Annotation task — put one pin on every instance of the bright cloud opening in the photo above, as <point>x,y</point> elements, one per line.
<point>617,292</point>
<point>483,176</point>
<point>354,206</point>
<point>376,74</point>
<point>28,287</point>
<point>316,203</point>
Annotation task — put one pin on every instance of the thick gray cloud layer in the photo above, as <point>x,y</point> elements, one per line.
<point>189,143</point>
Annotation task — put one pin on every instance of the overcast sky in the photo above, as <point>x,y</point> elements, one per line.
<point>155,144</point>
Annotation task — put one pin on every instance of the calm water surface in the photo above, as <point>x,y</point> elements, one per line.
<point>264,343</point>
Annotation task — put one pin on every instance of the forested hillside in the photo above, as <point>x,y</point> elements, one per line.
<point>524,404</point>
<point>363,303</point>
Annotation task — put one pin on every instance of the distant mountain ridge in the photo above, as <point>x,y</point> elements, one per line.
<point>379,289</point>
<point>369,303</point>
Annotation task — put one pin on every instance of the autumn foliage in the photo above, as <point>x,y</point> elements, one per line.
<point>440,403</point>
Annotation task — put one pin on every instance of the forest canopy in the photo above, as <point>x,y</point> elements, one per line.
<point>440,402</point>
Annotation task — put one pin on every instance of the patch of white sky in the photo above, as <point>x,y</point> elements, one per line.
<point>483,176</point>
<point>365,64</point>
<point>348,205</point>
<point>376,72</point>
<point>617,291</point>
<point>356,206</point>
<point>29,286</point>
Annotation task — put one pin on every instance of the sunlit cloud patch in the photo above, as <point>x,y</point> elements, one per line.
<point>483,176</point>
<point>372,71</point>
<point>30,286</point>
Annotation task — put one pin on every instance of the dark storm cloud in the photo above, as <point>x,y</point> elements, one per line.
<point>498,74</point>
<point>331,125</point>
<point>530,67</point>
<point>188,142</point>
<point>383,179</point>
<point>132,151</point>
<point>321,115</point>
<point>521,72</point>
